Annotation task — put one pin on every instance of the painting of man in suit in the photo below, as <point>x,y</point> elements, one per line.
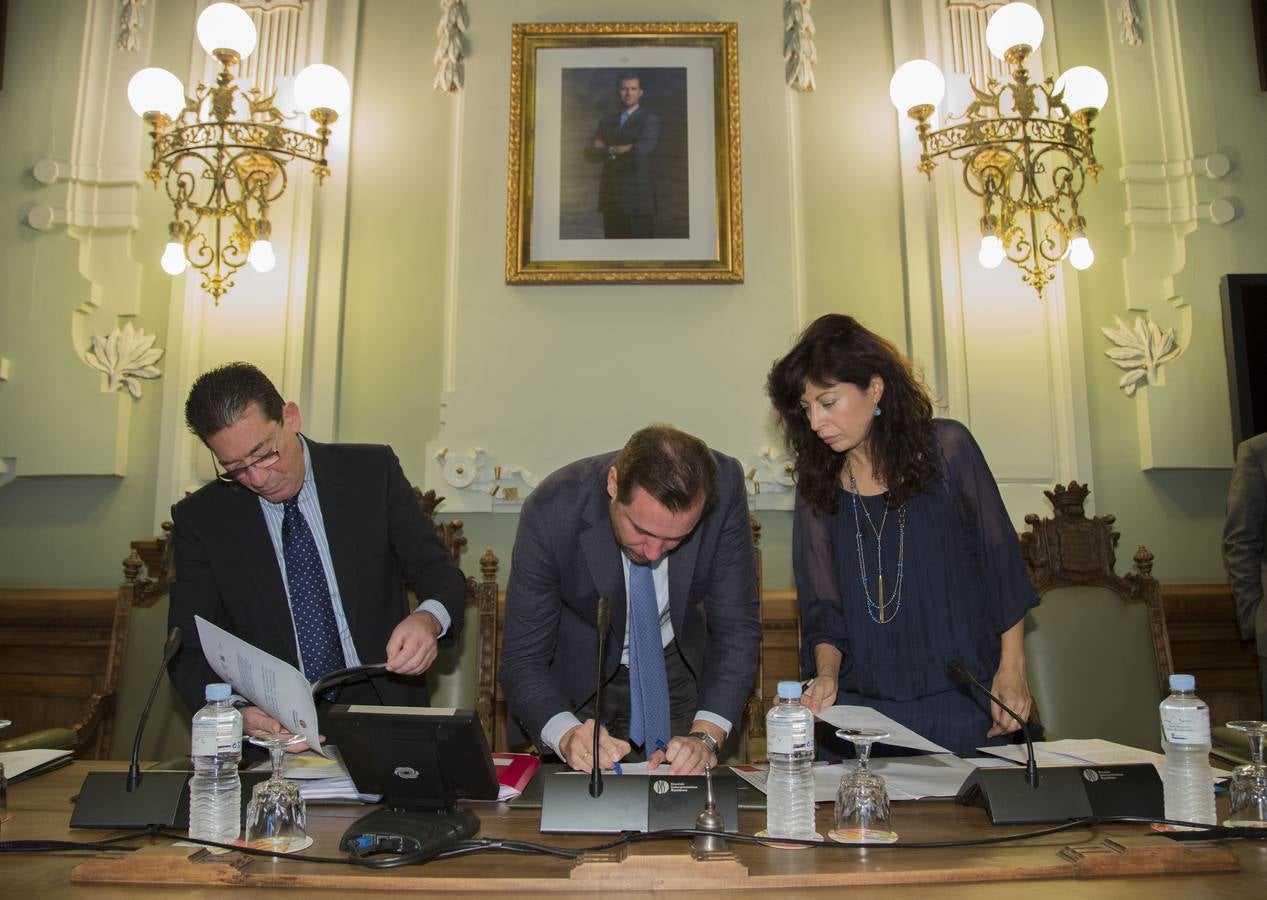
<point>628,179</point>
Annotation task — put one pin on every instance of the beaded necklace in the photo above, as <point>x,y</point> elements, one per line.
<point>876,610</point>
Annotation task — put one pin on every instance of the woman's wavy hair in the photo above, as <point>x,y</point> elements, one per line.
<point>837,348</point>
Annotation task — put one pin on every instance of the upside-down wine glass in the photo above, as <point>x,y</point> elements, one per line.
<point>1247,794</point>
<point>862,802</point>
<point>276,818</point>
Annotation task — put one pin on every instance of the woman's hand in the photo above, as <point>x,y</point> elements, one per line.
<point>1010,684</point>
<point>820,694</point>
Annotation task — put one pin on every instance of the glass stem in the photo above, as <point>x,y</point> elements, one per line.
<point>278,753</point>
<point>1256,747</point>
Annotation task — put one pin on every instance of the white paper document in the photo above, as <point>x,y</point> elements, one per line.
<point>866,717</point>
<point>906,777</point>
<point>273,685</point>
<point>1070,752</point>
<point>18,762</point>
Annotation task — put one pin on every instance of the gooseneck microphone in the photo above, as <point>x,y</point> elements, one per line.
<point>603,623</point>
<point>126,800</point>
<point>169,650</point>
<point>959,675</point>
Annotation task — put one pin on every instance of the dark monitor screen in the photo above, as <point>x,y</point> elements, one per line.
<point>417,757</point>
<point>1245,339</point>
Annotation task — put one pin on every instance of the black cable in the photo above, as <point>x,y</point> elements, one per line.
<point>56,846</point>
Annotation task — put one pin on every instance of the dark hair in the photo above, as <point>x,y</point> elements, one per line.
<point>675,468</point>
<point>630,76</point>
<point>219,397</point>
<point>834,349</point>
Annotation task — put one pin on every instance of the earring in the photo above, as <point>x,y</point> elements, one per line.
<point>875,411</point>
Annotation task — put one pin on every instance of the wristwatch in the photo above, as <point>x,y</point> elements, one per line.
<point>707,739</point>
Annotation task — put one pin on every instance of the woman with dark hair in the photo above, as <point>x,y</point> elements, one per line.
<point>903,552</point>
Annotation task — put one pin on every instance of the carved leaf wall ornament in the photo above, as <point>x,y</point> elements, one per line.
<point>1141,350</point>
<point>799,52</point>
<point>452,46</point>
<point>126,355</point>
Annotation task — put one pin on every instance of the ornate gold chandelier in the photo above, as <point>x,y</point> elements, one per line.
<point>222,153</point>
<point>1026,148</point>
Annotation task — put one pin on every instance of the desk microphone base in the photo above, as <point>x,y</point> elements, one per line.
<point>160,798</point>
<point>1064,793</point>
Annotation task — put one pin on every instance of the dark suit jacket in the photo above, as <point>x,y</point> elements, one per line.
<point>1244,534</point>
<point>625,185</point>
<point>566,557</point>
<point>227,571</point>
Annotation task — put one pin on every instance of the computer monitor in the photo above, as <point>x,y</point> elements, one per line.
<point>419,758</point>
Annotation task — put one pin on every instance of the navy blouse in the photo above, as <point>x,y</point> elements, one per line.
<point>964,582</point>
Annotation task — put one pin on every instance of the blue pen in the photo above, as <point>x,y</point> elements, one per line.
<point>659,745</point>
<point>617,769</point>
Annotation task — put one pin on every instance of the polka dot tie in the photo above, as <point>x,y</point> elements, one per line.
<point>648,683</point>
<point>310,603</point>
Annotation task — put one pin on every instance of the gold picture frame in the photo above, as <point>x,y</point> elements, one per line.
<point>572,189</point>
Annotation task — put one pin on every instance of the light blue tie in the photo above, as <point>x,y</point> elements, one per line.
<point>310,603</point>
<point>648,684</point>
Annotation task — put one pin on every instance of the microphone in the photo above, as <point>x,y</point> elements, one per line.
<point>125,800</point>
<point>603,623</point>
<point>959,675</point>
<point>169,650</point>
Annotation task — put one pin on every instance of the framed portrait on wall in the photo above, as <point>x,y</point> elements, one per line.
<point>624,162</point>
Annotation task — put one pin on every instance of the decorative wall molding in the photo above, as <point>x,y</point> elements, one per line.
<point>126,355</point>
<point>799,53</point>
<point>1165,193</point>
<point>452,48</point>
<point>770,482</point>
<point>1141,350</point>
<point>483,486</point>
<point>130,23</point>
<point>965,29</point>
<point>1128,15</point>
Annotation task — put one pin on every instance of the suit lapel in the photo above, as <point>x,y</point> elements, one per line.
<point>602,557</point>
<point>332,491</point>
<point>255,551</point>
<point>681,569</point>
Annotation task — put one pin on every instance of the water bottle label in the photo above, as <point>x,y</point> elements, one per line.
<point>1190,725</point>
<point>207,740</point>
<point>782,742</point>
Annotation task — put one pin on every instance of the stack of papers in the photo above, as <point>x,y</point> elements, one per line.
<point>1092,752</point>
<point>320,777</point>
<point>23,764</point>
<point>906,777</point>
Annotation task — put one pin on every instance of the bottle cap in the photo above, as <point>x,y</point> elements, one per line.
<point>789,690</point>
<point>218,691</point>
<point>1182,683</point>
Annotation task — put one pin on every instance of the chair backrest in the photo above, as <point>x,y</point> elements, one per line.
<point>1096,649</point>
<point>61,655</point>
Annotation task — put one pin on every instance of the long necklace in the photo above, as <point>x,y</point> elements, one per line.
<point>877,610</point>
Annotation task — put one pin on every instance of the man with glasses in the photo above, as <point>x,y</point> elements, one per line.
<point>301,549</point>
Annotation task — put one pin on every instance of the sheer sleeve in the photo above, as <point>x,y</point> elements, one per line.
<point>967,475</point>
<point>816,591</point>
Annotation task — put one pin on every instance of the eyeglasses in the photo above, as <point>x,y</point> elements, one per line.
<point>266,461</point>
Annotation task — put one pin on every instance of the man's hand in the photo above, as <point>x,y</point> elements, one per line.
<point>821,693</point>
<point>688,755</point>
<point>621,149</point>
<point>256,721</point>
<point>578,748</point>
<point>599,145</point>
<point>412,647</point>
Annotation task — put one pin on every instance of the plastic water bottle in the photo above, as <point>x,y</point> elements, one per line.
<point>1185,736</point>
<point>215,791</point>
<point>789,729</point>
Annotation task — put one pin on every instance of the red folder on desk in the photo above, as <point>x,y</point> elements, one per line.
<point>514,771</point>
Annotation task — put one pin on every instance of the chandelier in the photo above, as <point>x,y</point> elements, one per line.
<point>1026,148</point>
<point>222,153</point>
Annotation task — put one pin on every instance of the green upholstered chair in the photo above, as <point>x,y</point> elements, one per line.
<point>1096,649</point>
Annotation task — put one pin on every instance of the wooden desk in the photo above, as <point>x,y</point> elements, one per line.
<point>40,809</point>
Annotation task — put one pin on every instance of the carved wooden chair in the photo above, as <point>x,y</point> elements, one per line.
<point>1096,647</point>
<point>61,655</point>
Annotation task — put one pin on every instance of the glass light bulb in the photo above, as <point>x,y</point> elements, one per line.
<point>156,90</point>
<point>991,252</point>
<point>226,26</point>
<point>1081,256</point>
<point>261,256</point>
<point>322,87</point>
<point>915,83</point>
<point>173,261</point>
<point>1012,25</point>
<point>1084,88</point>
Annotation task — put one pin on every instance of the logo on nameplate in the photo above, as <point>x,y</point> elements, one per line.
<point>405,772</point>
<point>660,786</point>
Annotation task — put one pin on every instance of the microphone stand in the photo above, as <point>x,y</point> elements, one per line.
<point>128,799</point>
<point>959,674</point>
<point>603,623</point>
